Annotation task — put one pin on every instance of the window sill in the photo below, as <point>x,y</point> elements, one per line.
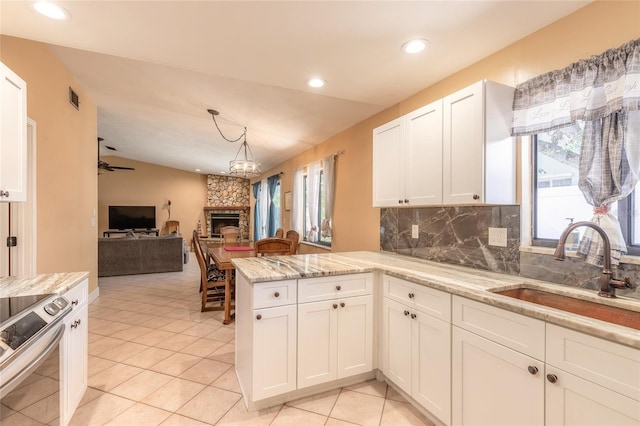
<point>321,246</point>
<point>634,260</point>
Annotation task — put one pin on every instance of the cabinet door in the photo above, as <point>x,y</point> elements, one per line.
<point>463,147</point>
<point>431,364</point>
<point>423,154</point>
<point>396,344</point>
<point>317,323</point>
<point>13,136</point>
<point>274,351</point>
<point>354,336</point>
<point>73,359</point>
<point>575,401</point>
<point>491,384</point>
<point>388,164</point>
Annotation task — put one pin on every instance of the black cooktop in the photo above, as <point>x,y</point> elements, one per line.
<point>12,306</point>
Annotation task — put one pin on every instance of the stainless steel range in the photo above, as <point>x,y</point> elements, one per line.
<point>30,329</point>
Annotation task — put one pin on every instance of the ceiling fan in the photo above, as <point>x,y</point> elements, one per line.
<point>103,166</point>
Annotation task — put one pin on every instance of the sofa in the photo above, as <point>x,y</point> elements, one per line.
<point>141,255</point>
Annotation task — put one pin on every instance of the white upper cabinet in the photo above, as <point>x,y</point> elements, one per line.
<point>13,136</point>
<point>457,150</point>
<point>407,159</point>
<point>478,150</point>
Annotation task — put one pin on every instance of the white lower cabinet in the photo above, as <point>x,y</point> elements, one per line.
<point>492,384</point>
<point>511,369</point>
<point>274,350</point>
<point>416,343</point>
<point>417,356</point>
<point>573,401</point>
<point>335,339</point>
<point>74,353</point>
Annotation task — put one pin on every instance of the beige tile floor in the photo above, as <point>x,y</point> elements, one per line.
<point>155,359</point>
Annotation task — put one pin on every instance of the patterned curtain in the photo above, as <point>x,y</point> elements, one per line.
<point>604,92</point>
<point>329,181</point>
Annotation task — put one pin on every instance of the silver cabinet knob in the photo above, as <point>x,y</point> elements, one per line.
<point>74,302</point>
<point>4,193</point>
<point>533,369</point>
<point>76,323</point>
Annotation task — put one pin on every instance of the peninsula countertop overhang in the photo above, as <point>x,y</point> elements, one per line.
<point>474,284</point>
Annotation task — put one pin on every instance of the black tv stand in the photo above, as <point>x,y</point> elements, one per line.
<point>147,231</point>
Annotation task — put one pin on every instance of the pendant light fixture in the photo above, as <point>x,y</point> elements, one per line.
<point>245,166</point>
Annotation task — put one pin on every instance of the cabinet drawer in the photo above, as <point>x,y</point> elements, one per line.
<point>78,294</point>
<point>428,300</point>
<point>518,332</point>
<point>609,364</point>
<point>326,288</point>
<point>276,293</point>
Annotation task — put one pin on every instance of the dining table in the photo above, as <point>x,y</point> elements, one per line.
<point>222,255</point>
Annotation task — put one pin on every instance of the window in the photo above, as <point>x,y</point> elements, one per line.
<point>323,238</point>
<point>557,200</point>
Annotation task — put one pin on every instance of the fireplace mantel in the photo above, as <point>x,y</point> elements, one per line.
<point>209,208</point>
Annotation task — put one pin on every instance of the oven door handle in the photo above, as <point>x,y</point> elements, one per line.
<point>10,384</point>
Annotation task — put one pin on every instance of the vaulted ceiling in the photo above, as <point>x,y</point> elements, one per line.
<point>155,67</point>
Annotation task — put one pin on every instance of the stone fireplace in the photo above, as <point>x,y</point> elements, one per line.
<point>227,204</point>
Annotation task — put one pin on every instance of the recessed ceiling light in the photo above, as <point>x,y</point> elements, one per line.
<point>198,170</point>
<point>51,10</point>
<point>415,46</point>
<point>316,82</point>
<point>223,172</point>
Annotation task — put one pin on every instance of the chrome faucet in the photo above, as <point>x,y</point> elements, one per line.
<point>608,284</point>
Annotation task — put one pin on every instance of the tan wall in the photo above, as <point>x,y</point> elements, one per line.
<point>66,150</point>
<point>151,185</point>
<point>589,31</point>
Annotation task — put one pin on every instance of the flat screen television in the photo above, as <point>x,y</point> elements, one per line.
<point>132,217</point>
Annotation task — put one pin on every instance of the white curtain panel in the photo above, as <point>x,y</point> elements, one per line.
<point>313,194</point>
<point>329,179</point>
<point>297,208</point>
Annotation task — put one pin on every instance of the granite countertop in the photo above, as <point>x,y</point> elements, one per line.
<point>474,284</point>
<point>40,284</point>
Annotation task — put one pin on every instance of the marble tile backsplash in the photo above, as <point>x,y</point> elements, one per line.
<point>459,235</point>
<point>456,235</point>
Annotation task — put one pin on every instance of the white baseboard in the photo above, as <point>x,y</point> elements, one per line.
<point>94,295</point>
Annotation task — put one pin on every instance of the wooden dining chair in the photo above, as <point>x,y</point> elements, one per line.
<point>273,246</point>
<point>230,234</point>
<point>212,281</point>
<point>279,233</point>
<point>295,238</point>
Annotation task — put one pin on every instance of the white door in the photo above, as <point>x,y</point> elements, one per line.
<point>573,401</point>
<point>423,179</point>
<point>431,364</point>
<point>274,351</point>
<point>317,323</point>
<point>463,148</point>
<point>396,343</point>
<point>19,220</point>
<point>491,384</point>
<point>355,336</point>
<point>13,136</point>
<point>388,164</point>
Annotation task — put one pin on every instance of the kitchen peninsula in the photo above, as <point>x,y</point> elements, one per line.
<point>436,332</point>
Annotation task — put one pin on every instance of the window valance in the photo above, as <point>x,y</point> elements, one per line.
<point>588,90</point>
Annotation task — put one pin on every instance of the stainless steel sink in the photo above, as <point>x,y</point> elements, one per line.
<point>614,315</point>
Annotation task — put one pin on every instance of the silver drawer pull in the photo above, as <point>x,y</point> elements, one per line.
<point>76,323</point>
<point>411,295</point>
<point>74,302</point>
